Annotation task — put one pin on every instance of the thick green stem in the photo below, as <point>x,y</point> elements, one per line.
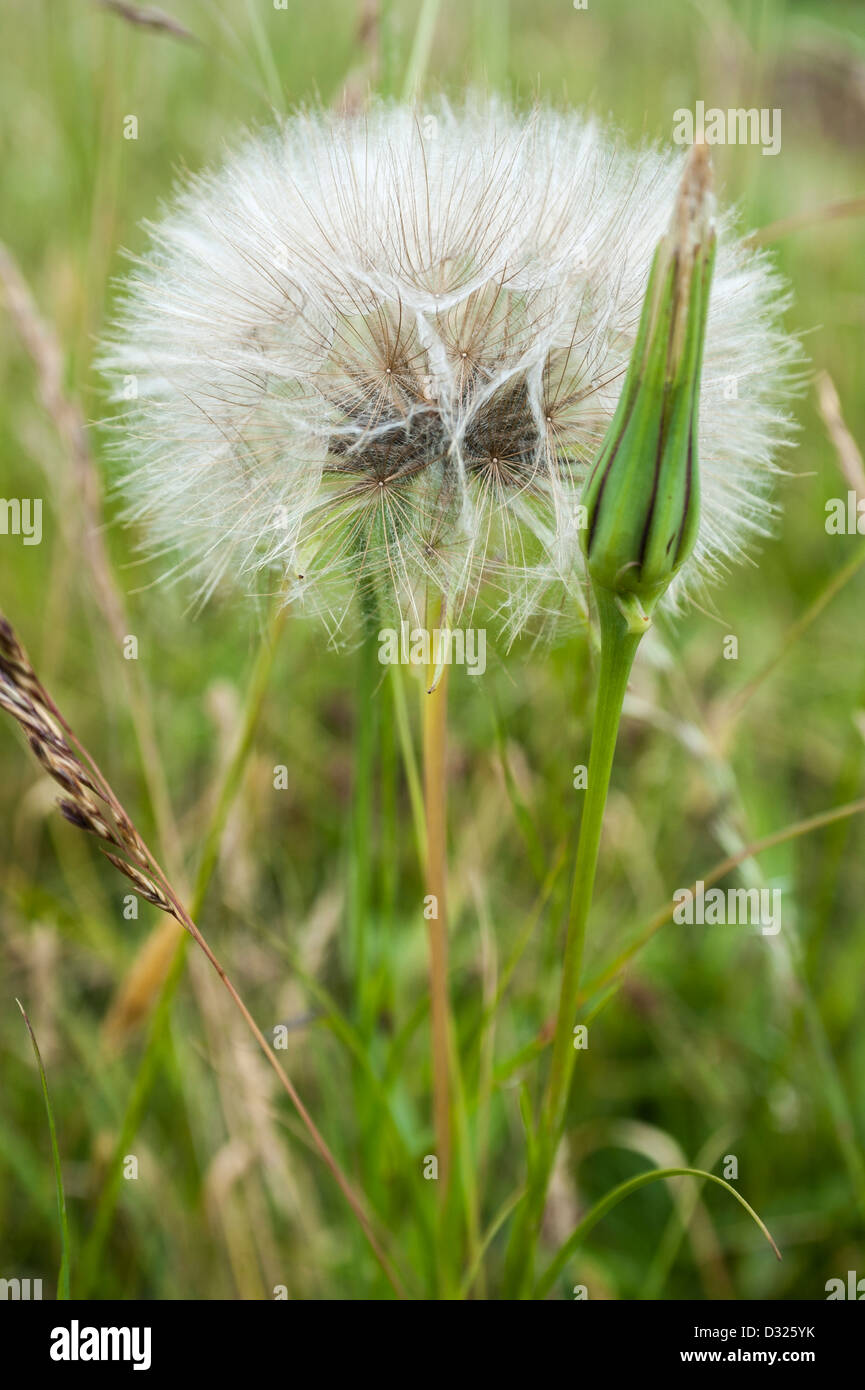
<point>435,805</point>
<point>618,648</point>
<point>619,642</point>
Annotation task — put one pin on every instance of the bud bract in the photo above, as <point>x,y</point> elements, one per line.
<point>642,497</point>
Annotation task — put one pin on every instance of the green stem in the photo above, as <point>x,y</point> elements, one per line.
<point>231,780</point>
<point>619,644</point>
<point>409,759</point>
<point>363,924</point>
<point>63,1276</point>
<point>420,50</point>
<point>148,1066</point>
<point>435,807</point>
<point>362,811</point>
<point>618,649</point>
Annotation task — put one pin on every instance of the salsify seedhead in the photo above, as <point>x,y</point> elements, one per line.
<point>377,354</point>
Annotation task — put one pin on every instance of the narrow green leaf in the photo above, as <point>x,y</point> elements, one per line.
<point>63,1275</point>
<point>612,1199</point>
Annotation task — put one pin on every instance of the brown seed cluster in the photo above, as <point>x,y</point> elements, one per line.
<point>86,802</point>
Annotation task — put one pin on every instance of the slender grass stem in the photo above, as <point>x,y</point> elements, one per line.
<point>153,962</point>
<point>388,50</point>
<point>420,50</point>
<point>172,942</point>
<point>363,814</point>
<point>410,763</point>
<point>63,1276</point>
<point>435,803</point>
<point>610,974</point>
<point>229,785</point>
<point>144,1081</point>
<point>798,629</point>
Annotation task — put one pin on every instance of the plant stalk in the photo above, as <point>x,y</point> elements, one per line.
<point>435,804</point>
<point>362,817</point>
<point>618,648</point>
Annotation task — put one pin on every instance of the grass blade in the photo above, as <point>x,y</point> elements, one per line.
<point>618,1194</point>
<point>63,1275</point>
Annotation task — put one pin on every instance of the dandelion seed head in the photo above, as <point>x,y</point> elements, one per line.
<point>379,352</point>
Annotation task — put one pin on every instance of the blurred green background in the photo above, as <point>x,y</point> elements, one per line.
<point>718,1041</point>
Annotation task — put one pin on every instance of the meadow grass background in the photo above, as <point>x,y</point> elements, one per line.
<point>718,1041</point>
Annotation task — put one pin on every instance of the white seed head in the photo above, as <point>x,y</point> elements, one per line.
<point>381,352</point>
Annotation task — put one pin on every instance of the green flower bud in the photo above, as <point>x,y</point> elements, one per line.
<point>642,498</point>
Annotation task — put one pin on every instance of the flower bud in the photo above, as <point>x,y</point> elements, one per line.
<point>642,497</point>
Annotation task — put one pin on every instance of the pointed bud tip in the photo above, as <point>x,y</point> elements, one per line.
<point>642,497</point>
<point>693,216</point>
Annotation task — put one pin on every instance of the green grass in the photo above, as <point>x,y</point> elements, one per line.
<point>63,1273</point>
<point>710,1045</point>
